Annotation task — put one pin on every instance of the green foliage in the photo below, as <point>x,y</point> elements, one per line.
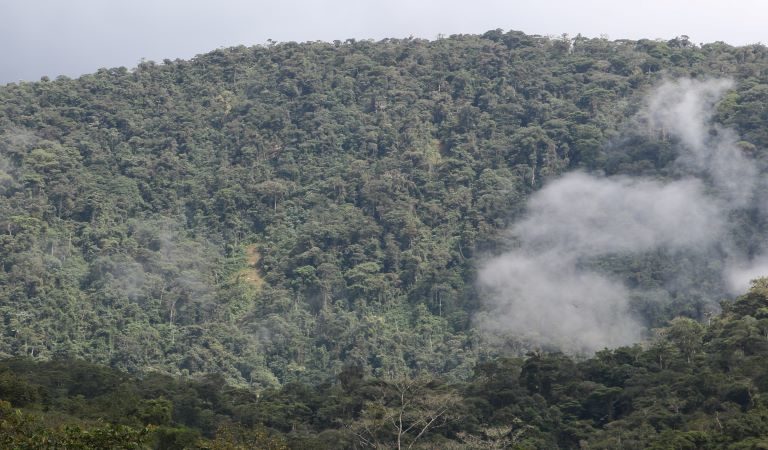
<point>697,387</point>
<point>367,175</point>
<point>20,430</point>
<point>277,213</point>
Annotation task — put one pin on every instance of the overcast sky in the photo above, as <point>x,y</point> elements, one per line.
<point>72,37</point>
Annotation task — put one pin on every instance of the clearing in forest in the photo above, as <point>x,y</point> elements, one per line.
<point>250,274</point>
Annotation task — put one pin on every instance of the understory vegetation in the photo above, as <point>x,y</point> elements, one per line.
<point>694,387</point>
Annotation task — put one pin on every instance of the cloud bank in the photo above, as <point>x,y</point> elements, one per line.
<point>547,291</point>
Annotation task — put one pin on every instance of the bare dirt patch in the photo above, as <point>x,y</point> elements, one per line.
<point>250,274</point>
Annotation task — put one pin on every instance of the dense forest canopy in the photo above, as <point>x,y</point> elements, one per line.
<point>378,244</point>
<point>695,387</point>
<point>275,213</point>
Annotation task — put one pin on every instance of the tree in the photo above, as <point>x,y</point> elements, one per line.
<point>403,412</point>
<point>686,334</point>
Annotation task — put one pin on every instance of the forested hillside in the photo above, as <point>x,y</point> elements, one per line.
<point>276,213</point>
<point>695,387</point>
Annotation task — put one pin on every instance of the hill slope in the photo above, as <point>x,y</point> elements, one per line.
<point>695,387</point>
<point>363,179</point>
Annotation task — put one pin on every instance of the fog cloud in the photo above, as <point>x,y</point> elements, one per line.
<point>12,138</point>
<point>684,109</point>
<point>548,291</point>
<point>172,267</point>
<point>583,215</point>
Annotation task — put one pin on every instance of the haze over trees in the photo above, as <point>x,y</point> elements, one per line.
<point>306,223</point>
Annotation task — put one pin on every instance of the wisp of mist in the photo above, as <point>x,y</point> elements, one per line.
<point>543,293</point>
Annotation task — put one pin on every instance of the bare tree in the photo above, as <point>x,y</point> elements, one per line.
<point>404,411</point>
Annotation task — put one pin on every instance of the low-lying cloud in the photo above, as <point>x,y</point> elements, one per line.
<point>547,291</point>
<point>583,215</point>
<point>684,109</point>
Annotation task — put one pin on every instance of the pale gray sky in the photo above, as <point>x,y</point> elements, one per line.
<point>72,37</point>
